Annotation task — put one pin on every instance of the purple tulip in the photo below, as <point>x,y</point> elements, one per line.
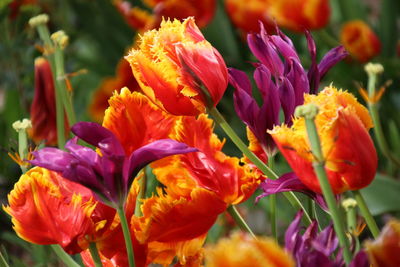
<point>317,249</point>
<point>281,80</point>
<point>111,174</point>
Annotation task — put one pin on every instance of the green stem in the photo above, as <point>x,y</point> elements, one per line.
<point>127,236</point>
<point>67,259</point>
<point>373,109</point>
<point>272,205</point>
<point>3,262</point>
<point>95,255</point>
<point>351,216</point>
<point>22,147</point>
<point>141,195</point>
<point>327,38</point>
<point>319,168</point>
<point>239,220</point>
<point>366,214</point>
<point>60,76</point>
<point>220,120</point>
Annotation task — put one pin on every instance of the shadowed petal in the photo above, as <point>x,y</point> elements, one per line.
<point>330,59</point>
<point>52,158</point>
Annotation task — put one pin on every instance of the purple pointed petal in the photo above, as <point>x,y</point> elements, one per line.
<point>239,80</point>
<point>326,242</point>
<point>360,260</point>
<point>52,158</point>
<point>245,105</point>
<point>298,78</point>
<point>81,152</point>
<point>313,73</point>
<point>287,98</point>
<point>264,51</point>
<point>286,49</point>
<point>330,59</point>
<point>98,136</point>
<point>292,235</point>
<point>149,153</point>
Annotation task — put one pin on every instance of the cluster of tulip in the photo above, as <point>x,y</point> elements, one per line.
<point>157,128</point>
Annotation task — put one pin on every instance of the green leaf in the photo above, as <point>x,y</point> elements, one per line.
<point>382,195</point>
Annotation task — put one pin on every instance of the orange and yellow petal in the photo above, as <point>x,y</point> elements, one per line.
<point>41,214</point>
<point>343,125</point>
<point>174,219</point>
<point>359,39</point>
<point>161,69</point>
<point>245,251</point>
<point>136,121</point>
<point>210,168</point>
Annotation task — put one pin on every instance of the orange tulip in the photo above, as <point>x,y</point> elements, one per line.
<point>361,42</point>
<point>295,15</point>
<point>47,209</point>
<point>384,251</point>
<point>349,152</point>
<point>178,69</point>
<point>245,251</point>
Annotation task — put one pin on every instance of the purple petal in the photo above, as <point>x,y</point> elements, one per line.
<point>330,59</point>
<point>313,73</point>
<point>287,98</point>
<point>81,152</point>
<point>264,51</point>
<point>360,260</point>
<point>292,235</point>
<point>286,49</point>
<point>245,105</point>
<point>52,158</point>
<point>298,78</point>
<point>149,153</point>
<point>326,242</point>
<point>98,136</point>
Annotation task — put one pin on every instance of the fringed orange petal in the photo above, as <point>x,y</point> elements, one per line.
<point>136,121</point>
<point>169,219</point>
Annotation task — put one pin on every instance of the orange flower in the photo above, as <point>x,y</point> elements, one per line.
<point>139,19</point>
<point>343,125</point>
<point>295,15</point>
<point>136,121</point>
<point>361,42</point>
<point>123,78</point>
<point>43,108</point>
<point>47,209</point>
<point>384,251</point>
<point>178,69</point>
<point>245,251</point>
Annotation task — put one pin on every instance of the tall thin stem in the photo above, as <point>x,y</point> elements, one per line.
<point>142,193</point>
<point>127,236</point>
<point>319,168</point>
<point>95,255</point>
<point>220,120</point>
<point>239,220</point>
<point>366,213</point>
<point>67,259</point>
<point>272,205</point>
